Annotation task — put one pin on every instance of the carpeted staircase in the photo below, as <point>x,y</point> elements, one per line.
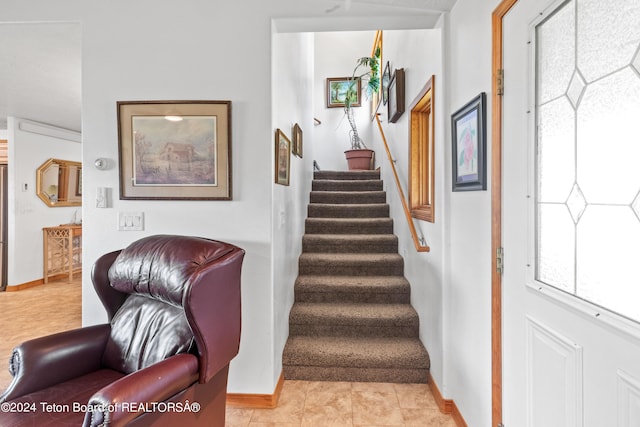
<point>352,319</point>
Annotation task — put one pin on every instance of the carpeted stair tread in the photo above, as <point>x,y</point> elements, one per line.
<point>352,318</point>
<point>348,197</point>
<point>334,283</point>
<point>368,352</point>
<point>348,210</point>
<point>346,185</point>
<point>346,175</point>
<point>354,314</point>
<point>361,289</point>
<point>383,264</point>
<point>345,243</point>
<point>348,226</point>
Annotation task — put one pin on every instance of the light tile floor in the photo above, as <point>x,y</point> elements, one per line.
<point>54,307</point>
<point>338,404</point>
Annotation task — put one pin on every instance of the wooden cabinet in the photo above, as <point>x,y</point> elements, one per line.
<point>62,250</point>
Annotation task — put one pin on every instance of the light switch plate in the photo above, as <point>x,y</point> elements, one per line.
<point>130,221</point>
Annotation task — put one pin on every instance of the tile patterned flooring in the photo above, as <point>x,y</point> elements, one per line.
<point>54,307</point>
<point>341,404</point>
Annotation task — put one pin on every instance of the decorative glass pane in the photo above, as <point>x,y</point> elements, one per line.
<point>608,141</point>
<point>556,151</point>
<point>608,35</point>
<point>608,250</point>
<point>588,154</point>
<point>556,39</point>
<point>576,203</point>
<point>576,89</point>
<point>556,247</point>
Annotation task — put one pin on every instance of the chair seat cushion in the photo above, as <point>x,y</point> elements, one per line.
<point>61,405</point>
<point>145,331</point>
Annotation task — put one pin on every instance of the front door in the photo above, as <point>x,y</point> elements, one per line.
<point>571,214</point>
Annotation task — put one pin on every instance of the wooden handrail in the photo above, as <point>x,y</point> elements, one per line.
<point>414,234</point>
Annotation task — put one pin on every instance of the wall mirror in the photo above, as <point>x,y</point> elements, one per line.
<point>59,183</point>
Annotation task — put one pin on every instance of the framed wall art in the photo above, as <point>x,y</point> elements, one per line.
<point>174,150</point>
<point>297,140</point>
<point>283,158</point>
<point>396,103</point>
<point>468,133</point>
<point>337,88</point>
<point>376,51</point>
<point>386,79</point>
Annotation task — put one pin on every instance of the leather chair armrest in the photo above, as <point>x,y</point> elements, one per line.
<point>42,362</point>
<point>127,398</point>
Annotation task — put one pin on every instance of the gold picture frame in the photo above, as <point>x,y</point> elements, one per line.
<point>175,150</point>
<point>296,147</point>
<point>283,158</point>
<point>336,91</point>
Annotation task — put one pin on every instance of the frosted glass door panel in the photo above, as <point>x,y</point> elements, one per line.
<point>588,152</point>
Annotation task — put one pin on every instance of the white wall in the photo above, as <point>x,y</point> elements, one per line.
<point>292,103</point>
<point>26,213</point>
<point>194,60</point>
<point>468,296</point>
<point>419,52</point>
<point>337,53</point>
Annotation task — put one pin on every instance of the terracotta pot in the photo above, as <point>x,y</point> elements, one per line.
<point>359,159</point>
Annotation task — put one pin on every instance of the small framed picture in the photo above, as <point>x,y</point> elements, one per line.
<point>468,133</point>
<point>337,88</point>
<point>297,140</point>
<point>396,96</point>
<point>386,79</point>
<point>283,158</point>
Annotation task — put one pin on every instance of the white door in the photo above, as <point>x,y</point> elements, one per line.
<point>571,214</point>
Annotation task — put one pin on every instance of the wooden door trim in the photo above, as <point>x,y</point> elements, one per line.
<point>496,209</point>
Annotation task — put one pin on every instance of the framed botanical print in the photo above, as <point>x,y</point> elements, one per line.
<point>468,132</point>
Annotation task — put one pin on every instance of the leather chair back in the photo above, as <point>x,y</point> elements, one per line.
<point>163,295</point>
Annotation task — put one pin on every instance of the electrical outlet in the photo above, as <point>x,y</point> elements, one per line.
<point>130,221</point>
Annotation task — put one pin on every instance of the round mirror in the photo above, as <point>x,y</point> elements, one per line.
<point>59,183</point>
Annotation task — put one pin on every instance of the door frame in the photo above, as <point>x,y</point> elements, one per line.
<point>496,207</point>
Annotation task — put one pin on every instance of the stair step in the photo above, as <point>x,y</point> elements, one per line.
<point>356,359</point>
<point>346,185</point>
<point>349,226</point>
<point>364,289</point>
<point>353,320</point>
<point>346,243</point>
<point>347,210</point>
<point>375,174</point>
<point>351,264</point>
<point>348,197</point>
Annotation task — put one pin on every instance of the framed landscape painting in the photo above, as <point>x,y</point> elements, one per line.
<point>337,92</point>
<point>175,150</point>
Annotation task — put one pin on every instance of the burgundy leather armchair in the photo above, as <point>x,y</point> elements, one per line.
<point>173,305</point>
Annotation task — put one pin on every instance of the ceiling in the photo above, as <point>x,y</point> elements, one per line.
<point>40,64</point>
<point>40,73</point>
